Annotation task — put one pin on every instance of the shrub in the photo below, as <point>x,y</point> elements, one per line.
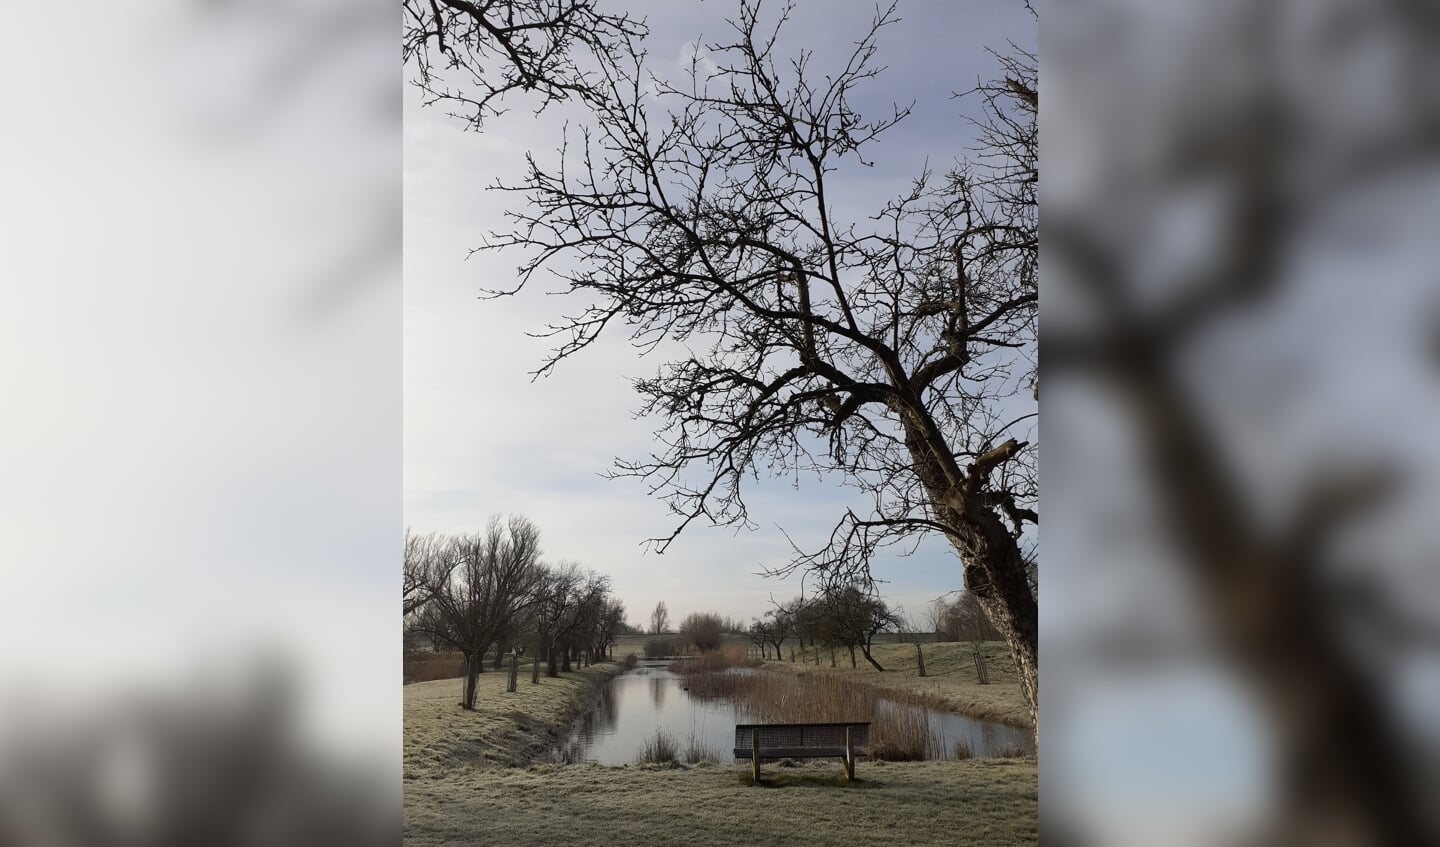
<point>962,750</point>
<point>631,660</point>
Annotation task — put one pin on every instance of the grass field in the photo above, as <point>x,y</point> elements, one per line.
<point>470,779</point>
<point>977,802</point>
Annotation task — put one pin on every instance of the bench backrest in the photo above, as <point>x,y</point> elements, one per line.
<point>790,735</point>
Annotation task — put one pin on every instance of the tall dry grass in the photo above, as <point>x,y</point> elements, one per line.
<point>662,749</point>
<point>696,751</point>
<point>424,667</point>
<point>899,730</point>
<point>726,656</point>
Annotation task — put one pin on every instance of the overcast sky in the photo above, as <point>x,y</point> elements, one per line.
<point>481,438</point>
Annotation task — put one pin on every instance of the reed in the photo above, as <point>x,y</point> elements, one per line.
<point>899,731</point>
<point>661,749</point>
<point>696,751</point>
<point>727,656</point>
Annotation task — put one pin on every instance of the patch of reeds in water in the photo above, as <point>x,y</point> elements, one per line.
<point>659,750</point>
<point>728,656</point>
<point>696,752</point>
<point>663,749</point>
<point>899,730</point>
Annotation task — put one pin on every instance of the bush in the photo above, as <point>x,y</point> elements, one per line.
<point>962,750</point>
<point>631,660</point>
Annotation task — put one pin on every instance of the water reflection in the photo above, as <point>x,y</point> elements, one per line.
<point>637,704</point>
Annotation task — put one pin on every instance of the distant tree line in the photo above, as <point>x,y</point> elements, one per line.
<point>490,590</point>
<point>848,615</point>
<point>962,619</point>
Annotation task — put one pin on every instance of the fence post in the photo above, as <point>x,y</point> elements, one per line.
<point>514,669</point>
<point>920,658</point>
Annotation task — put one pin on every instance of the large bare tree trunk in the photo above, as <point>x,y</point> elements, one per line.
<point>994,569</point>
<point>472,676</point>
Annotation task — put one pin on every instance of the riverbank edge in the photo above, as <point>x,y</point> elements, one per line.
<point>1017,716</point>
<point>498,734</point>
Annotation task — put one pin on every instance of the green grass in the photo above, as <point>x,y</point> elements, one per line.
<point>949,683</point>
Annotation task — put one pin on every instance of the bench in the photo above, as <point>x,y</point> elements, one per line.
<point>843,741</point>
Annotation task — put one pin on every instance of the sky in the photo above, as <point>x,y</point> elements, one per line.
<point>482,438</point>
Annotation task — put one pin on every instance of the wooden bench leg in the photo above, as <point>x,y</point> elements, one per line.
<point>755,755</point>
<point>849,757</point>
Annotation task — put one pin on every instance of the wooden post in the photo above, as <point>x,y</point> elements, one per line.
<point>920,658</point>
<point>754,755</point>
<point>514,669</point>
<point>535,669</point>
<point>849,757</point>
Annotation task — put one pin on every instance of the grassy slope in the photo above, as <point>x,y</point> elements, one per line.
<point>950,677</point>
<point>459,787</point>
<point>504,729</point>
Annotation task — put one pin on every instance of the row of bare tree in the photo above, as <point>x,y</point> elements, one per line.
<point>474,592</point>
<point>845,615</point>
<point>961,619</point>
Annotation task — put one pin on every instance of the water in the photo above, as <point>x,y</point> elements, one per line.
<point>640,702</point>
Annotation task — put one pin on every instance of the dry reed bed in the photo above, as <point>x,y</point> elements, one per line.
<point>898,732</point>
<point>426,667</point>
<point>950,685</point>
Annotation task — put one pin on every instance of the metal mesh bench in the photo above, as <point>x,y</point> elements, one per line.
<point>843,741</point>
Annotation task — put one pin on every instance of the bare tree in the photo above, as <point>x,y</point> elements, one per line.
<point>570,606</point>
<point>470,55</point>
<point>611,622</point>
<point>421,553</point>
<point>857,615</point>
<point>758,633</point>
<point>659,619</point>
<point>896,351</point>
<point>483,586</point>
<point>779,623</point>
